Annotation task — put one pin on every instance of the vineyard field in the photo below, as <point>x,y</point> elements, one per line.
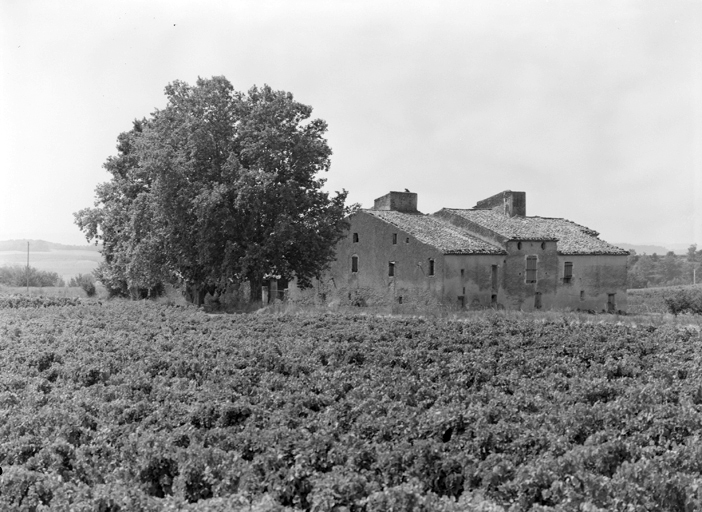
<point>121,406</point>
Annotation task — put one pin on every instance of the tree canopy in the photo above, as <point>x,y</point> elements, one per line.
<point>669,270</point>
<point>219,187</point>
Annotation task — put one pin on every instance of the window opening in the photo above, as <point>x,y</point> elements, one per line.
<point>531,269</point>
<point>394,238</point>
<point>399,299</point>
<point>355,238</point>
<point>462,301</point>
<point>537,300</point>
<point>431,267</point>
<point>519,246</point>
<point>407,240</point>
<point>582,294</point>
<point>391,268</point>
<point>463,273</point>
<point>354,263</point>
<point>493,299</point>
<point>543,245</point>
<point>493,277</point>
<point>567,271</point>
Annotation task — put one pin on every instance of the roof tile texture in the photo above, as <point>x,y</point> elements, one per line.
<point>436,232</point>
<point>571,238</point>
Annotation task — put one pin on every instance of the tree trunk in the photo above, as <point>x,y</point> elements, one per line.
<point>195,294</point>
<point>256,283</point>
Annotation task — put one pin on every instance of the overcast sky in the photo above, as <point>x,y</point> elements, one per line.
<point>593,108</point>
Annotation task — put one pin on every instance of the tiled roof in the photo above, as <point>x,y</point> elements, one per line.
<point>572,238</point>
<point>576,239</point>
<point>436,232</point>
<point>513,228</point>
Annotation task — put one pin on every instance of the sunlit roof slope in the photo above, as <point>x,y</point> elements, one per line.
<point>436,232</point>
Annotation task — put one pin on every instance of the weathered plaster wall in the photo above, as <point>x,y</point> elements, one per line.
<point>518,294</point>
<point>596,276</point>
<point>372,285</point>
<point>475,283</point>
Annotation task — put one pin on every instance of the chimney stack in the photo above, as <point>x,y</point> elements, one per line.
<point>397,201</point>
<point>512,204</point>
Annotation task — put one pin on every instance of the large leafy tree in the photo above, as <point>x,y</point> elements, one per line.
<point>219,187</point>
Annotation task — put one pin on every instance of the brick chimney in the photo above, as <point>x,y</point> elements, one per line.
<point>397,201</point>
<point>512,204</point>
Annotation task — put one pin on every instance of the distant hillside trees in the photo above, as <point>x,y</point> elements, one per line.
<point>219,187</point>
<point>18,275</point>
<point>653,270</point>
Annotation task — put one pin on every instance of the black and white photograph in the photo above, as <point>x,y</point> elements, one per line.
<point>351,256</point>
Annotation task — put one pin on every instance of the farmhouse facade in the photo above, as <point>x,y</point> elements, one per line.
<point>492,255</point>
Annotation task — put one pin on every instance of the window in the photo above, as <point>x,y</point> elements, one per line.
<point>394,238</point>
<point>355,238</point>
<point>463,273</point>
<point>543,245</point>
<point>519,246</point>
<point>354,263</point>
<point>407,240</point>
<point>431,267</point>
<point>567,271</point>
<point>582,295</point>
<point>531,269</point>
<point>399,299</point>
<point>391,269</point>
<point>493,277</point>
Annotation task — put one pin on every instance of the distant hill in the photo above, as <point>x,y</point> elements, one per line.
<point>644,249</point>
<point>66,260</point>
<point>43,246</point>
<point>660,250</point>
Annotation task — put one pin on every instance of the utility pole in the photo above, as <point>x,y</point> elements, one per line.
<point>27,267</point>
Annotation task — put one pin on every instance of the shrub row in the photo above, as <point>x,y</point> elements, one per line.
<point>22,301</point>
<point>685,300</point>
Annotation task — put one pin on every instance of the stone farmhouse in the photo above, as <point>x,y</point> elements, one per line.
<point>492,255</point>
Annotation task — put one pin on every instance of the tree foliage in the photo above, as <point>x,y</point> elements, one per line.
<point>86,282</point>
<point>685,301</point>
<point>670,270</point>
<point>219,187</point>
<point>17,275</point>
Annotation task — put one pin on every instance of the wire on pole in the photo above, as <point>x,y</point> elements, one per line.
<point>27,267</point>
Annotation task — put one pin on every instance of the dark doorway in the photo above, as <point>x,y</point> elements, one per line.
<point>611,304</point>
<point>537,300</point>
